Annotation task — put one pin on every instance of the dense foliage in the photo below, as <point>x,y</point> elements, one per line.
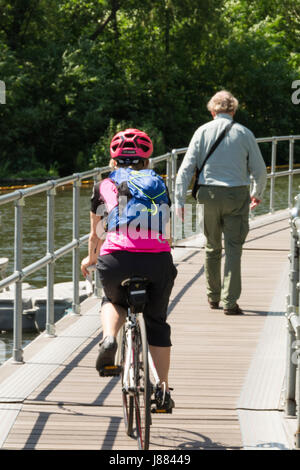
<point>78,70</point>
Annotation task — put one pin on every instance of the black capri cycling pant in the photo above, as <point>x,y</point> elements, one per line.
<point>161,272</point>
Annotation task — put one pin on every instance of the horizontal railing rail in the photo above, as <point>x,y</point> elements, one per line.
<point>273,174</point>
<point>18,197</point>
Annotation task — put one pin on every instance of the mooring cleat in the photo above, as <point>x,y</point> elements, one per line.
<point>110,371</point>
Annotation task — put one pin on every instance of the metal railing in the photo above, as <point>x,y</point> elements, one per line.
<point>272,175</point>
<point>19,198</point>
<point>292,398</point>
<point>20,273</point>
<point>276,174</point>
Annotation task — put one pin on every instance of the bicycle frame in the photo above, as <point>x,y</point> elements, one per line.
<point>128,378</point>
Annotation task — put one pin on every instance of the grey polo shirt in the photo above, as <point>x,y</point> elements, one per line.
<point>231,164</point>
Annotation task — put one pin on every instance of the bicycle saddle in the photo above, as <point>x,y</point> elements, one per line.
<point>136,292</point>
<point>135,280</point>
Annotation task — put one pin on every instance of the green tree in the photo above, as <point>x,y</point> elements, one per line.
<point>77,70</point>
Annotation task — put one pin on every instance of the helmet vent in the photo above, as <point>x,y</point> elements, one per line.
<point>144,138</point>
<point>129,145</point>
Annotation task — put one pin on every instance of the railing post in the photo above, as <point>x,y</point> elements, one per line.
<point>292,309</point>
<point>272,183</point>
<point>291,161</point>
<point>151,164</point>
<point>98,285</point>
<point>50,326</point>
<point>76,250</point>
<point>296,324</point>
<point>297,436</point>
<point>18,304</point>
<point>173,185</point>
<point>169,173</point>
<point>290,398</point>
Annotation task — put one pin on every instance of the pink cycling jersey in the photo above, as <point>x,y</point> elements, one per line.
<point>146,242</point>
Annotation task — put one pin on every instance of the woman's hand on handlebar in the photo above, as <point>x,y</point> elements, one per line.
<point>85,263</point>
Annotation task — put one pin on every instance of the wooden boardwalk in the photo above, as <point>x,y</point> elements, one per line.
<point>68,406</point>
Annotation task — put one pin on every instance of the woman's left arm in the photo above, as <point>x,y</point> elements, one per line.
<point>95,241</point>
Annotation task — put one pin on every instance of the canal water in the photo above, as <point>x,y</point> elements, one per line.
<point>35,242</point>
<point>35,235</point>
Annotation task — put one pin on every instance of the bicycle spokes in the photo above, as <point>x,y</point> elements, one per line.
<point>136,388</point>
<point>143,389</point>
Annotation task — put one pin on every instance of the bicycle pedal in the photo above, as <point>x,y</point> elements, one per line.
<point>161,410</point>
<point>110,371</point>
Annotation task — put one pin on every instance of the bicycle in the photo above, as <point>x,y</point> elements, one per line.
<point>134,362</point>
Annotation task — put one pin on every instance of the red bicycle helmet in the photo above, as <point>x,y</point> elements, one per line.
<point>131,143</point>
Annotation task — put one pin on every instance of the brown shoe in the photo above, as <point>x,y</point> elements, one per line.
<point>213,305</point>
<point>233,311</point>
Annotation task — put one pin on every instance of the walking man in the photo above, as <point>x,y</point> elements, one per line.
<point>223,188</point>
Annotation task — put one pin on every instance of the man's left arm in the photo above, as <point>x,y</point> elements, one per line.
<point>258,170</point>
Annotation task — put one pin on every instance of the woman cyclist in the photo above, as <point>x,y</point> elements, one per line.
<point>121,254</point>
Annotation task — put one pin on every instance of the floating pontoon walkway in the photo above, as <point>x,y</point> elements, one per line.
<point>227,372</point>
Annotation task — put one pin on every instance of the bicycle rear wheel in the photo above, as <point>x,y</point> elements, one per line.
<point>128,400</point>
<point>142,397</point>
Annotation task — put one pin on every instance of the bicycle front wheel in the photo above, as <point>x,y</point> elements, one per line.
<point>142,397</point>
<point>127,400</point>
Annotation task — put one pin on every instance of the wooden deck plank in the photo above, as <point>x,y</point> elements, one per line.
<point>75,409</point>
<point>102,428</point>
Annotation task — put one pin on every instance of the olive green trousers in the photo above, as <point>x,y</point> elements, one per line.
<point>226,211</point>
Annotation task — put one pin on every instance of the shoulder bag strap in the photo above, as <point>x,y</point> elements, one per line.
<point>213,148</point>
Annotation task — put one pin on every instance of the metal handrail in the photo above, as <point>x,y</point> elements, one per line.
<point>19,197</point>
<point>292,394</point>
<point>20,272</point>
<point>273,173</point>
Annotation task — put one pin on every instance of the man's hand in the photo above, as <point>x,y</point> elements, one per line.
<point>254,202</point>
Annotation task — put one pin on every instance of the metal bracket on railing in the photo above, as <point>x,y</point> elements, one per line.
<point>52,192</point>
<point>293,318</point>
<point>21,200</point>
<point>98,175</point>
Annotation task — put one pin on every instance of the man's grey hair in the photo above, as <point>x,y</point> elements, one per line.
<point>223,102</point>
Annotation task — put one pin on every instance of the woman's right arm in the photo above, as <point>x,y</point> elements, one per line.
<point>96,239</point>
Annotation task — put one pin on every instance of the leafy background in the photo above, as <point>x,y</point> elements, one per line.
<point>77,71</point>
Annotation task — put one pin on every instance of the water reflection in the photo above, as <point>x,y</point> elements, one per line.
<point>35,242</point>
<point>35,232</point>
